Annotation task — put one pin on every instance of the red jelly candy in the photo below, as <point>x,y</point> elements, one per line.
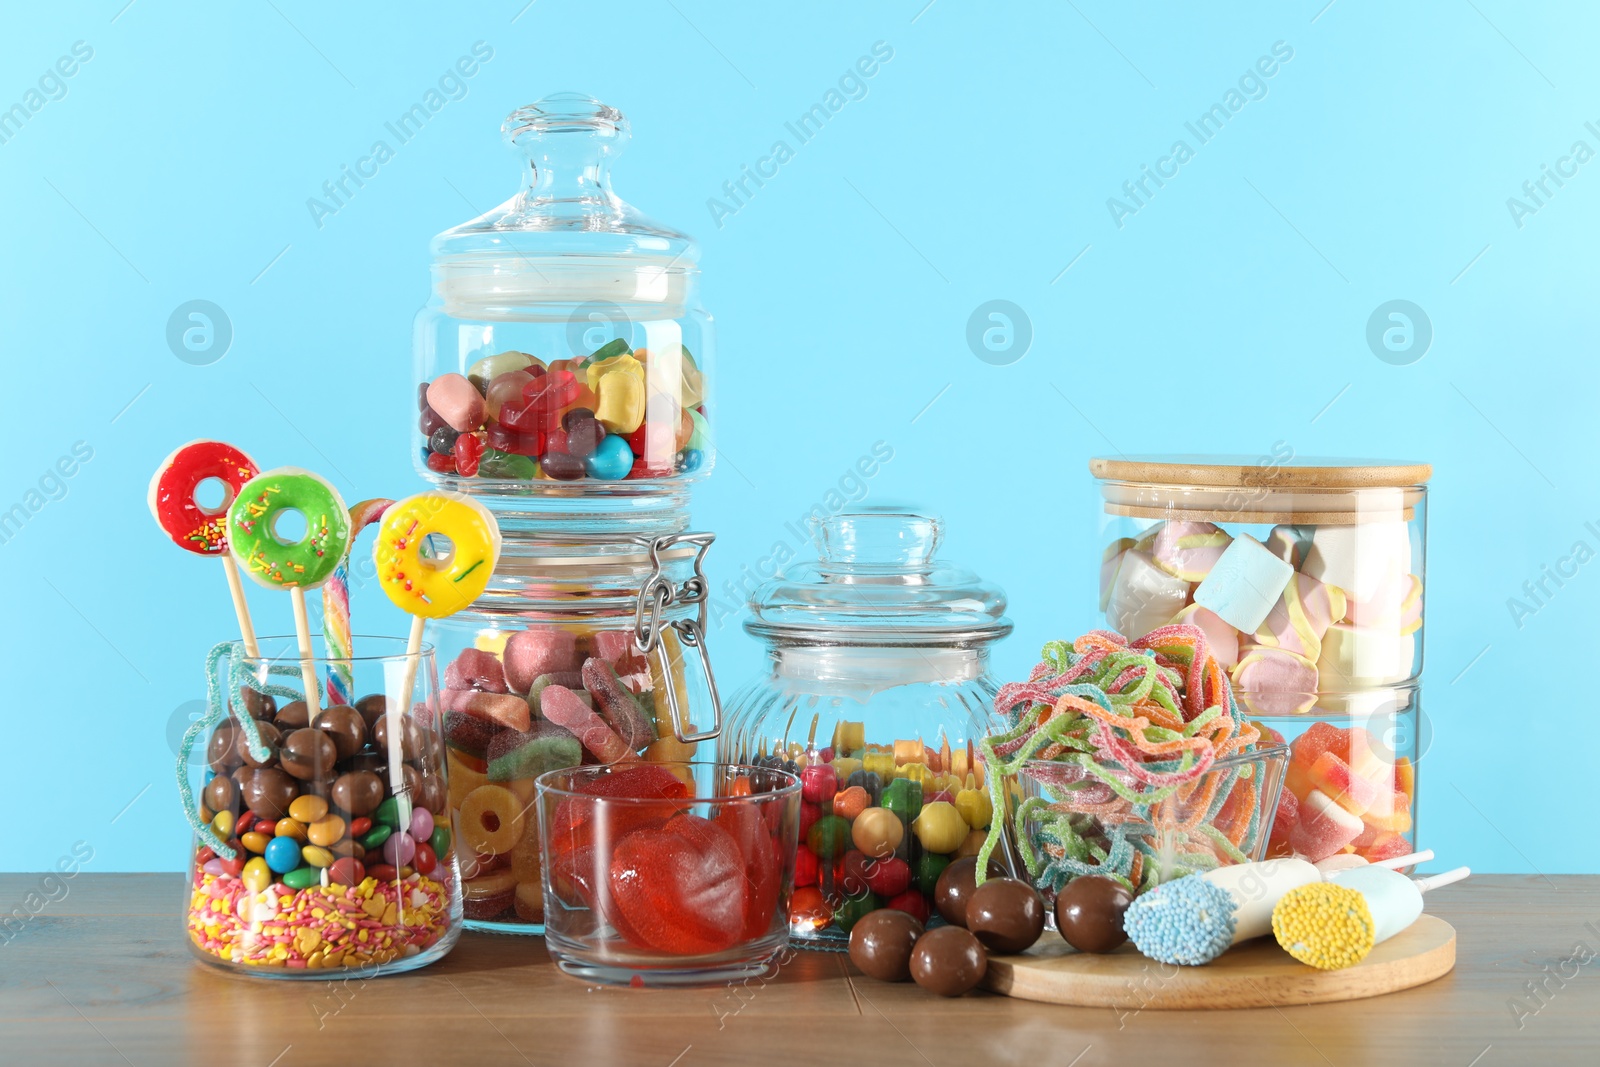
<point>542,401</point>
<point>440,463</point>
<point>805,866</point>
<point>889,877</point>
<point>809,813</point>
<point>818,783</point>
<point>913,904</point>
<point>750,832</point>
<point>681,889</point>
<point>505,439</point>
<point>469,451</point>
<point>573,825</point>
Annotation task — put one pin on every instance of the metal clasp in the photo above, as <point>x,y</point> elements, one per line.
<point>655,597</point>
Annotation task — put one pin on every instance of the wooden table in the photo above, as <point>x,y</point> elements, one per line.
<point>103,975</point>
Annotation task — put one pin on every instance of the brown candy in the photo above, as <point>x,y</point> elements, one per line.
<point>258,705</point>
<point>221,793</point>
<point>268,792</point>
<point>955,886</point>
<point>370,760</point>
<point>343,724</point>
<point>308,753</point>
<point>948,961</point>
<point>1006,914</point>
<point>222,751</point>
<point>1089,913</point>
<point>269,737</point>
<point>359,792</point>
<point>410,742</point>
<point>293,716</point>
<point>372,708</point>
<point>881,942</point>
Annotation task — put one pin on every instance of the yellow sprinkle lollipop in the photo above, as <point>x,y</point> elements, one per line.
<point>1325,925</point>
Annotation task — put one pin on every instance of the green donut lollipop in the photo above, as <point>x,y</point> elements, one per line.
<point>272,562</point>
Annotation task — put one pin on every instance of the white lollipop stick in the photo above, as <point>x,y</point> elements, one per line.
<point>302,637</point>
<point>392,712</point>
<point>1406,861</point>
<point>1435,881</point>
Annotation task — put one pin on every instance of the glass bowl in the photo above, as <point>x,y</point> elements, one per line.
<point>662,874</point>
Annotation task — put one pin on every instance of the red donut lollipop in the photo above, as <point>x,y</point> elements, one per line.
<point>203,530</point>
<point>198,529</point>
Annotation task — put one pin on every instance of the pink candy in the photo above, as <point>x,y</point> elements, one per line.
<point>475,669</point>
<point>1223,639</point>
<point>544,650</point>
<point>456,401</point>
<point>1273,681</point>
<point>617,648</point>
<point>502,708</point>
<point>1189,550</point>
<point>563,707</point>
<point>1324,827</point>
<point>1302,615</point>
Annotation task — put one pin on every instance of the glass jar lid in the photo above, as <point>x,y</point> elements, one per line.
<point>565,239</point>
<point>876,581</point>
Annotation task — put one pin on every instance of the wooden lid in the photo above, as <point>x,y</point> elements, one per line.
<point>1263,472</point>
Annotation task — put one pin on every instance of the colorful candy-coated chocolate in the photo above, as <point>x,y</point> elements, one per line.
<point>282,854</point>
<point>302,878</point>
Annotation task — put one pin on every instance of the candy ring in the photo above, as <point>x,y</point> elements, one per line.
<point>198,529</point>
<point>305,563</point>
<point>428,587</point>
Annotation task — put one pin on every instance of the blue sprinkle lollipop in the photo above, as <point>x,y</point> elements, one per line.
<point>1188,921</point>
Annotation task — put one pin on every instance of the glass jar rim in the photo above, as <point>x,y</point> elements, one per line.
<point>545,783</point>
<point>292,653</point>
<point>1264,750</point>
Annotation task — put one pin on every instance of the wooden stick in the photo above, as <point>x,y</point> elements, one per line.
<point>302,637</point>
<point>241,608</point>
<point>393,710</point>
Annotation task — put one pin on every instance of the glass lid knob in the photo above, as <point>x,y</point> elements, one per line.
<point>880,539</point>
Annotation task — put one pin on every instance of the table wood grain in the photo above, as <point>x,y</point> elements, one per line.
<point>104,976</point>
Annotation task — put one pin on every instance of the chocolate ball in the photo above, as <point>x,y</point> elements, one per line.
<point>269,736</point>
<point>432,793</point>
<point>343,724</point>
<point>410,743</point>
<point>955,886</point>
<point>294,715</point>
<point>372,708</point>
<point>221,794</point>
<point>222,751</point>
<point>1089,913</point>
<point>948,961</point>
<point>308,753</point>
<point>268,792</point>
<point>368,760</point>
<point>1006,914</point>
<point>358,792</point>
<point>881,942</point>
<point>257,705</point>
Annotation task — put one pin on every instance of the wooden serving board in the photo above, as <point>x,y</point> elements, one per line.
<point>1257,974</point>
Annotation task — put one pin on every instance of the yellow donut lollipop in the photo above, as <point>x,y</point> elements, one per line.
<point>427,586</point>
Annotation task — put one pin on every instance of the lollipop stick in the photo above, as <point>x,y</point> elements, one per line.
<point>1436,880</point>
<point>1406,861</point>
<point>247,629</point>
<point>393,710</point>
<point>302,636</point>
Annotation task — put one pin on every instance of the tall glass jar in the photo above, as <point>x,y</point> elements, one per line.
<point>1307,576</point>
<point>563,362</point>
<point>313,856</point>
<point>876,690</point>
<point>582,650</point>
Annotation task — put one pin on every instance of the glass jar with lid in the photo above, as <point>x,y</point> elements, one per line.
<point>583,650</point>
<point>1307,576</point>
<point>876,691</point>
<point>564,357</point>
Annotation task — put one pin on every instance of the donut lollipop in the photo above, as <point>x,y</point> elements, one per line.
<point>427,582</point>
<point>278,563</point>
<point>199,529</point>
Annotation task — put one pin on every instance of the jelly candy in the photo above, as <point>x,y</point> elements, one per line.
<point>562,466</point>
<point>521,755</point>
<point>468,453</point>
<point>505,389</point>
<point>624,711</point>
<point>851,911</point>
<point>1349,790</point>
<point>618,386</point>
<point>572,825</point>
<point>506,465</point>
<point>888,877</point>
<point>611,460</point>
<point>1324,828</point>
<point>754,839</point>
<point>680,889</point>
<point>456,401</point>
<point>584,433</point>
<point>541,402</point>
<point>504,439</point>
<point>819,783</point>
<point>805,866</point>
<point>828,836</point>
<point>539,651</point>
<point>475,669</point>
<point>561,706</point>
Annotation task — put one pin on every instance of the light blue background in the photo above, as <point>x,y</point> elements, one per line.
<point>1227,315</point>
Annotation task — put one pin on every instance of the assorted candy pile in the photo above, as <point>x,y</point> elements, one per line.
<point>1345,792</point>
<point>1136,757</point>
<point>534,701</point>
<point>1314,608</point>
<point>308,863</point>
<point>878,825</point>
<point>663,879</point>
<point>617,414</point>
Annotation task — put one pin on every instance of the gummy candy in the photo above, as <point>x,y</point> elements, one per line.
<point>681,889</point>
<point>623,710</point>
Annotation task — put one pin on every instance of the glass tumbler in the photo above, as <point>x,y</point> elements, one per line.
<point>312,854</point>
<point>667,874</point>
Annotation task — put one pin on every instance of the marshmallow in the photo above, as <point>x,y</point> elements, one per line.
<point>1109,563</point>
<point>1275,681</point>
<point>1244,584</point>
<point>1143,596</point>
<point>1223,639</point>
<point>1355,657</point>
<point>1189,550</point>
<point>1301,616</point>
<point>1359,558</point>
<point>1290,543</point>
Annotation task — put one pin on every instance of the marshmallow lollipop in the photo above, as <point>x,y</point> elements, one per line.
<point>1194,920</point>
<point>1335,924</point>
